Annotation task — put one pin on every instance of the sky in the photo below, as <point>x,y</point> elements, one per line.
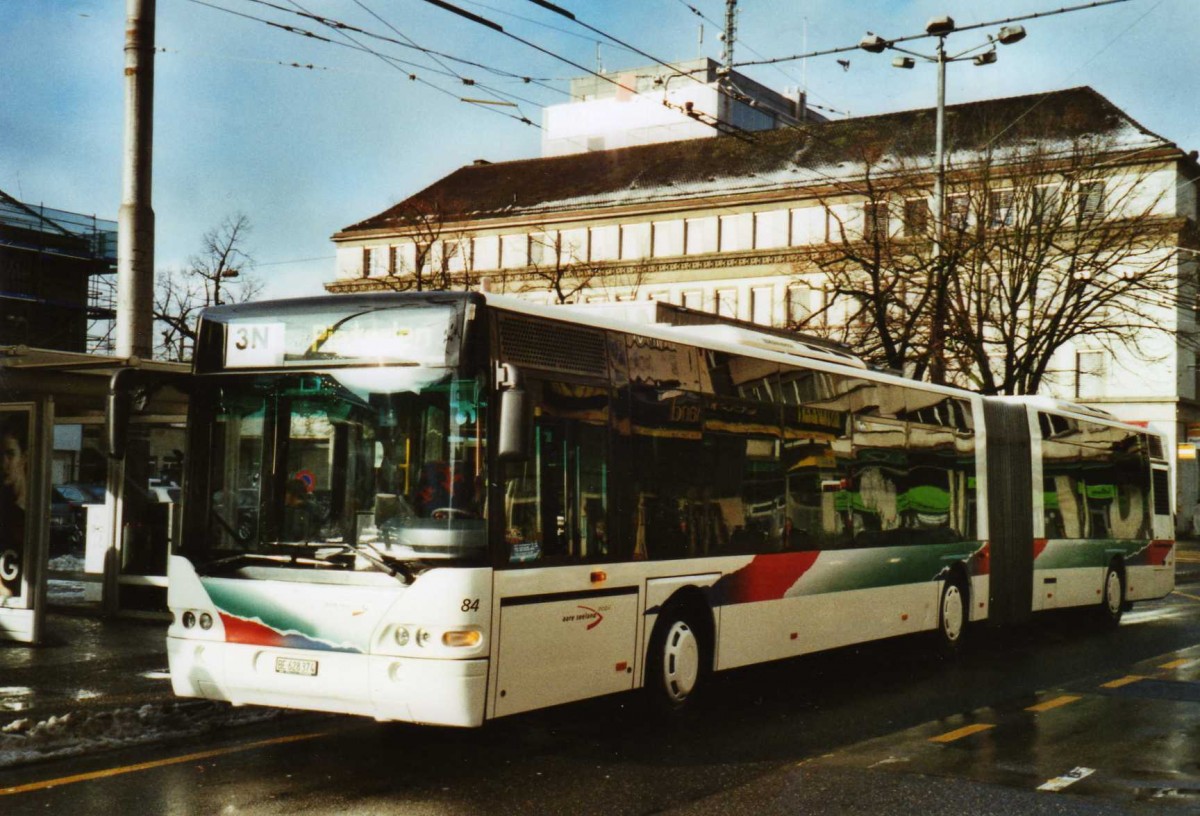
<point>306,137</point>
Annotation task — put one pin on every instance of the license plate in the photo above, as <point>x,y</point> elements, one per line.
<point>293,665</point>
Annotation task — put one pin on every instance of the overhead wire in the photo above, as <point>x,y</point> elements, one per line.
<point>353,45</point>
<point>408,42</point>
<point>163,49</point>
<point>532,21</point>
<point>436,59</point>
<point>476,102</point>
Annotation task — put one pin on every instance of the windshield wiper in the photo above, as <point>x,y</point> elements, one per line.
<point>368,552</point>
<point>283,560</point>
<point>380,560</point>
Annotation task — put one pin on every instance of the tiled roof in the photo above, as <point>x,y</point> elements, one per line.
<point>779,159</point>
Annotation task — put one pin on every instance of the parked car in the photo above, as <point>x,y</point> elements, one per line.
<point>161,491</point>
<point>96,493</point>
<point>67,518</point>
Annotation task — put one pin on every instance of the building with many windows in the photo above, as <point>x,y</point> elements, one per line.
<point>760,226</point>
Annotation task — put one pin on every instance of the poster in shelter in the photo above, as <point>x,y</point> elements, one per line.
<point>16,431</point>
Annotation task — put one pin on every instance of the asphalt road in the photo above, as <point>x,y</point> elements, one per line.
<point>1109,721</point>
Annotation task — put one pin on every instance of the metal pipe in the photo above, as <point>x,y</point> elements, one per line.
<point>135,220</point>
<point>937,351</point>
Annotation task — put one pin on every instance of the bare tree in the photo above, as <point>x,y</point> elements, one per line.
<point>878,281</point>
<point>562,268</point>
<point>1041,248</point>
<point>557,266</point>
<point>221,272</point>
<point>1073,247</point>
<point>435,254</point>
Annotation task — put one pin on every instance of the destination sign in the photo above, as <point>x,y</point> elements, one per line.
<point>408,336</point>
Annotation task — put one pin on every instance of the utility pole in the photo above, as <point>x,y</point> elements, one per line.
<point>937,339</point>
<point>135,220</point>
<point>729,35</point>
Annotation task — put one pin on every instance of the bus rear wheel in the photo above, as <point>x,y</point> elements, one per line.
<point>1112,598</point>
<point>952,615</point>
<point>675,667</point>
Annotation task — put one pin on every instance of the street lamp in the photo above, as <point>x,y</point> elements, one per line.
<point>941,27</point>
<point>221,273</point>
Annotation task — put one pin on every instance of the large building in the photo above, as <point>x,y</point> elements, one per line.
<point>57,272</point>
<point>754,226</point>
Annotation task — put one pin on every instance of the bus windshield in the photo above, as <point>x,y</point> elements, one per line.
<point>356,468</point>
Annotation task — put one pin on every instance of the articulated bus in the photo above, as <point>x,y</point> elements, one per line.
<point>444,508</point>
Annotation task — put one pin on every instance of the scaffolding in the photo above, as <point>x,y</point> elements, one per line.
<point>75,235</point>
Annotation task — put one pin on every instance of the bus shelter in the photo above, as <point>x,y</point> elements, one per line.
<point>78,528</point>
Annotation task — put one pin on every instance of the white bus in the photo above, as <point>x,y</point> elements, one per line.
<point>449,507</point>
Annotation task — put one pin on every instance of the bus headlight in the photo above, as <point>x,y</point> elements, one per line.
<point>206,621</point>
<point>402,636</point>
<point>188,620</point>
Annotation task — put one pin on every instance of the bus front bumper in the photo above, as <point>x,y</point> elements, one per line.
<point>434,692</point>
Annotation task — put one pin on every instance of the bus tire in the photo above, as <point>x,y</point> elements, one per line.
<point>1112,597</point>
<point>676,660</point>
<point>953,614</point>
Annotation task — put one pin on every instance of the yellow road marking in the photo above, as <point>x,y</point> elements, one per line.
<point>1123,681</point>
<point>1175,664</point>
<point>1057,702</point>
<point>1186,595</point>
<point>959,733</point>
<point>158,763</point>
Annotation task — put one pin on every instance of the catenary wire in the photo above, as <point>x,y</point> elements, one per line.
<point>392,61</point>
<point>409,43</point>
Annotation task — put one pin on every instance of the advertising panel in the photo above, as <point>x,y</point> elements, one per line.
<point>16,435</point>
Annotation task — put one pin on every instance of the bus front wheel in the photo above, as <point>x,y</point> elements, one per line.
<point>675,666</point>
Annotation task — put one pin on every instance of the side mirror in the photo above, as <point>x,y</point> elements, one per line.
<point>118,410</point>
<point>124,387</point>
<point>514,425</point>
<point>513,445</point>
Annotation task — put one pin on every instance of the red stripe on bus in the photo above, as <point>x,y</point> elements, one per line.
<point>1158,552</point>
<point>1039,546</point>
<point>983,560</point>
<point>765,578</point>
<point>240,630</point>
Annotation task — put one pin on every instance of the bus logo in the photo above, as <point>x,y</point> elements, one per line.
<point>588,614</point>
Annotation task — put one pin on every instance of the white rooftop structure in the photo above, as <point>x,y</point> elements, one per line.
<point>665,103</point>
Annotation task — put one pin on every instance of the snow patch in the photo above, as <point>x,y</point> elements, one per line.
<point>66,563</point>
<point>80,732</point>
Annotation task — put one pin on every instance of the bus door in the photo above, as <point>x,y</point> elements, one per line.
<point>567,626</point>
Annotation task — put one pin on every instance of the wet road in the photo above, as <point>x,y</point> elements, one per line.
<point>1057,719</point>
